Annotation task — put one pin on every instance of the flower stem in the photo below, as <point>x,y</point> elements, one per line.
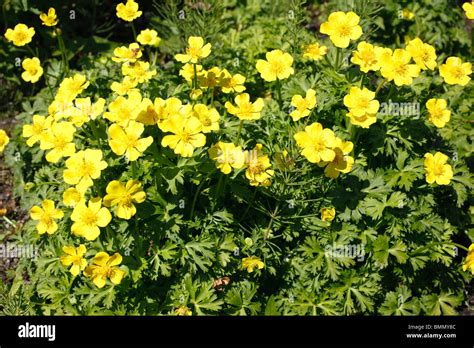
<point>49,87</point>
<point>280,102</point>
<point>337,58</point>
<point>134,31</point>
<point>193,205</point>
<point>362,81</point>
<point>379,86</point>
<point>62,48</point>
<point>239,131</point>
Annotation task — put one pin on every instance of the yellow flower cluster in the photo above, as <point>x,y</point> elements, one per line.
<point>185,126</point>
<point>362,107</point>
<point>396,65</point>
<point>103,265</point>
<point>320,145</point>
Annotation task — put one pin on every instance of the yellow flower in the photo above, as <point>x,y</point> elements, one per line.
<point>168,108</point>
<point>149,37</point>
<point>148,115</point>
<point>211,78</point>
<point>469,262</point>
<point>4,140</point>
<point>232,83</point>
<point>74,257</point>
<point>364,121</point>
<point>328,214</point>
<point>123,196</point>
<point>123,110</point>
<point>383,56</point>
<point>361,102</point>
<point>88,218</point>
<point>423,54</point>
<point>252,262</point>
<point>34,132</point>
<point>128,54</point>
<point>342,163</point>
<point>71,197</point>
<point>20,35</point>
<point>438,114</point>
<point>128,11</point>
<point>209,118</point>
<point>469,9</point>
<point>195,93</point>
<point>258,172</point>
<point>195,50</point>
<point>33,70</point>
<point>183,311</point>
<point>245,110</point>
<point>317,143</point>
<point>82,167</point>
<point>365,57</point>
<point>227,156</point>
<point>50,19</point>
<point>83,110</point>
<point>303,106</point>
<point>126,140</point>
<point>46,217</point>
<point>455,72</point>
<point>187,71</point>
<point>186,135</point>
<point>127,85</point>
<point>71,87</point>
<point>140,71</point>
<point>103,267</point>
<point>407,14</point>
<point>399,70</point>
<point>314,51</point>
<point>59,139</point>
<point>342,28</point>
<point>277,66</point>
<point>437,170</point>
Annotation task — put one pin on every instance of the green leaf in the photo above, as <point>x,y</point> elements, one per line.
<point>400,302</point>
<point>444,303</point>
<point>382,251</point>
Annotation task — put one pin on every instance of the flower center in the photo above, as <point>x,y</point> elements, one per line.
<point>21,36</point>
<point>126,200</point>
<point>86,169</point>
<point>89,218</point>
<point>278,67</point>
<point>302,105</point>
<point>193,51</point>
<point>131,141</point>
<point>245,109</point>
<point>47,219</point>
<point>344,30</point>
<point>438,169</point>
<point>185,136</point>
<point>363,103</point>
<point>37,129</point>
<point>458,72</point>
<point>401,70</point>
<point>256,168</point>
